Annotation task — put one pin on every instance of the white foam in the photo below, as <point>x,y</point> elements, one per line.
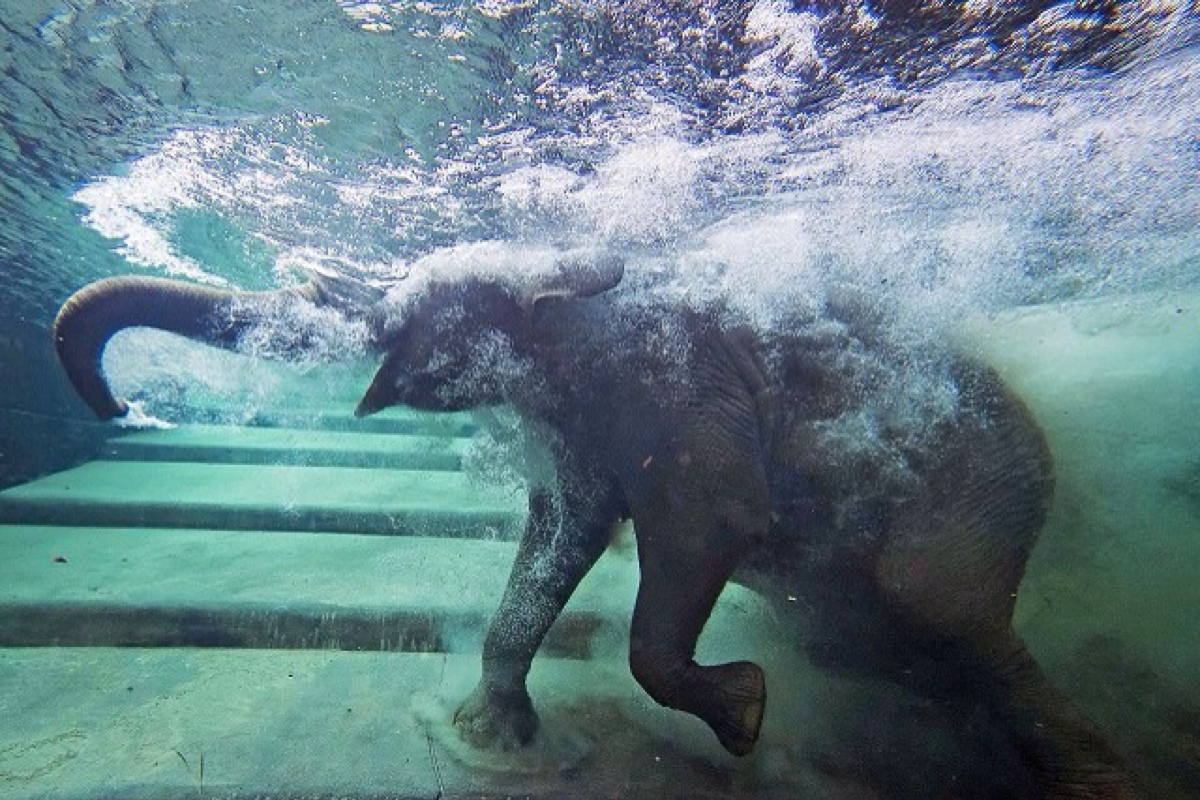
<point>645,194</point>
<point>125,208</point>
<point>136,418</point>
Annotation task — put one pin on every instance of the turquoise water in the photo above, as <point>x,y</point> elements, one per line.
<point>1019,178</point>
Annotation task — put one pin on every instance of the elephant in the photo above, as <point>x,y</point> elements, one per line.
<point>712,437</point>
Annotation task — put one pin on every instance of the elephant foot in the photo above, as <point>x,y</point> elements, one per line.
<point>489,718</point>
<point>737,698</point>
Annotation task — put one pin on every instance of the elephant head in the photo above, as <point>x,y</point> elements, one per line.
<point>459,343</point>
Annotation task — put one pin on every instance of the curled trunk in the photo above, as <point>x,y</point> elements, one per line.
<point>90,317</point>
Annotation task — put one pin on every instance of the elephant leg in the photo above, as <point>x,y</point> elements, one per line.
<point>564,536</point>
<point>679,587</point>
<point>691,537</point>
<point>974,653</point>
<point>1069,754</point>
<point>949,575</point>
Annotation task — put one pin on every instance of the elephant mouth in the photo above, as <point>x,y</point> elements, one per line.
<point>379,395</point>
<point>364,409</point>
<point>373,401</point>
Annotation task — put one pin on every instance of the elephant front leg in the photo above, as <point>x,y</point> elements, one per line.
<point>687,553</point>
<point>560,544</point>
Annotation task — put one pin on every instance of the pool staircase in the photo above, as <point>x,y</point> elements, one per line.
<point>272,610</point>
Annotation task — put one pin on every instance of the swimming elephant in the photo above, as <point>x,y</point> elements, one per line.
<point>715,440</point>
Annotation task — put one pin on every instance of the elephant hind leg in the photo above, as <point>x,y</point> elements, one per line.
<point>1068,753</point>
<point>952,588</point>
<point>949,573</point>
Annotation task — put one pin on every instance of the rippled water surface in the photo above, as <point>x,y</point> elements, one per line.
<point>941,162</point>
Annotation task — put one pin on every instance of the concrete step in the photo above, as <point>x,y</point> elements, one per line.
<point>318,448</point>
<point>323,417</point>
<point>66,586</point>
<point>265,497</point>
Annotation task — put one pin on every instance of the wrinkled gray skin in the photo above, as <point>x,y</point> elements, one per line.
<point>709,447</point>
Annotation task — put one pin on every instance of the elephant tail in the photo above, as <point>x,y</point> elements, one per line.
<point>91,316</point>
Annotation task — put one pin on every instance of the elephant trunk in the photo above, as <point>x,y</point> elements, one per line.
<point>90,317</point>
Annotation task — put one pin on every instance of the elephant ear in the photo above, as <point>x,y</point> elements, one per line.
<point>577,275</point>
